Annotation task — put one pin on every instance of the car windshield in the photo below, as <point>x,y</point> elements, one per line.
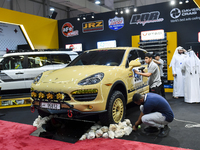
<point>100,57</point>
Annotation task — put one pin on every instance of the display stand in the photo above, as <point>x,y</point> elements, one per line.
<point>157,46</point>
<point>165,47</point>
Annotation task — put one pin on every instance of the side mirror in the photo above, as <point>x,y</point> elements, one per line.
<point>134,63</point>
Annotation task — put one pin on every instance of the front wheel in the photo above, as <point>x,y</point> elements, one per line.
<point>116,109</point>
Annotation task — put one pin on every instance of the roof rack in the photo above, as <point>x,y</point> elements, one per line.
<point>37,50</point>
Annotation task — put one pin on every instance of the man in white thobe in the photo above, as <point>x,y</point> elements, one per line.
<point>191,66</point>
<point>176,63</point>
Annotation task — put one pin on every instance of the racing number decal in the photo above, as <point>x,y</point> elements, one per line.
<point>137,78</point>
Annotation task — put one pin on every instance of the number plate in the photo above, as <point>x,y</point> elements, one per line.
<point>50,105</point>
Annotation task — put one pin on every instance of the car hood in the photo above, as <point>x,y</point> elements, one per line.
<point>76,73</point>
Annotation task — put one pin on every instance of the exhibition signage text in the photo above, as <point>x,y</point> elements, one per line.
<point>93,26</point>
<point>116,23</point>
<point>181,15</point>
<point>152,35</point>
<point>144,18</point>
<point>68,30</point>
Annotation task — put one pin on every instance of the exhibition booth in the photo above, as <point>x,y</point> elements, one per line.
<point>158,28</point>
<point>161,27</point>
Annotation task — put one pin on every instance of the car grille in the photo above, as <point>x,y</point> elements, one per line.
<point>84,97</point>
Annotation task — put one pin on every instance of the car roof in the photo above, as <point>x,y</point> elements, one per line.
<point>40,52</point>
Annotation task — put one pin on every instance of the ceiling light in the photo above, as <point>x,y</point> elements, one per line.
<point>92,15</point>
<point>127,10</point>
<point>135,9</point>
<point>78,19</point>
<point>84,18</point>
<point>121,12</point>
<point>51,9</point>
<point>97,2</point>
<point>187,1</point>
<point>172,2</point>
<point>116,12</point>
<point>180,2</point>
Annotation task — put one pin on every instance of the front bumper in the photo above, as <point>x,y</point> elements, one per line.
<point>66,111</point>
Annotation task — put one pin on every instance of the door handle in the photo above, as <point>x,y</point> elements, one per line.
<point>19,73</point>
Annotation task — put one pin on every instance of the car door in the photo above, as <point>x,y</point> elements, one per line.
<point>133,82</point>
<point>141,54</point>
<point>36,64</point>
<point>12,73</point>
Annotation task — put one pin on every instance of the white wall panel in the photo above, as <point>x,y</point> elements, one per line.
<point>30,8</point>
<point>61,15</point>
<point>19,5</point>
<point>75,13</point>
<point>5,4</point>
<point>37,9</point>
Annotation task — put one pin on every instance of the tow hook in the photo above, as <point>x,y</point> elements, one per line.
<point>69,113</point>
<point>32,109</point>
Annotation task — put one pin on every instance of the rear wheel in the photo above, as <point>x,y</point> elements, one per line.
<point>116,109</point>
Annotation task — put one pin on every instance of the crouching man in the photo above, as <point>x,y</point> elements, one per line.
<point>155,112</point>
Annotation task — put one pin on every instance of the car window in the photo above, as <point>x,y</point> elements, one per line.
<point>99,57</point>
<point>13,62</point>
<point>35,61</point>
<point>141,56</point>
<point>132,55</point>
<point>60,58</point>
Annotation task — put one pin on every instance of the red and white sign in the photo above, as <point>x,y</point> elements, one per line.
<point>152,35</point>
<point>199,36</point>
<point>74,47</point>
<point>68,30</point>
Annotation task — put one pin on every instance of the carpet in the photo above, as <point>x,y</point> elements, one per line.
<point>16,136</point>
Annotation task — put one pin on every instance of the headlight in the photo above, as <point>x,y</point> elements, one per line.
<point>36,80</point>
<point>93,79</point>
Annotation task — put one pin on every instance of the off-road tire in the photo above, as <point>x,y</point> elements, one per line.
<point>116,109</point>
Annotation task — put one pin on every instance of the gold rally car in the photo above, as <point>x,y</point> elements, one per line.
<point>99,81</point>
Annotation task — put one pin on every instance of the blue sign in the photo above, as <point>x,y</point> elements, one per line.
<point>116,23</point>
